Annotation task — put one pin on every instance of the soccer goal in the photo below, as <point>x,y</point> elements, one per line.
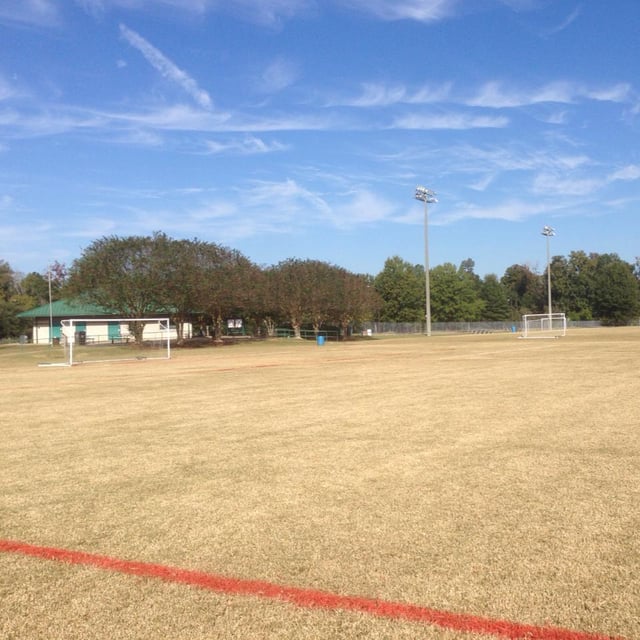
<point>544,325</point>
<point>109,340</point>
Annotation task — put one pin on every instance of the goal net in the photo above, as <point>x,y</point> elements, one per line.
<point>103,340</point>
<point>544,325</point>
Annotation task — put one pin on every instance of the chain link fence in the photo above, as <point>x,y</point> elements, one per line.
<point>460,327</point>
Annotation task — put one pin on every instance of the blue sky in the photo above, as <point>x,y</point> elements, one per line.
<point>300,128</point>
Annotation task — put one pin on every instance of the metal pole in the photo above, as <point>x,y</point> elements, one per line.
<point>549,277</point>
<point>548,231</point>
<point>426,268</point>
<point>426,196</point>
<point>71,341</point>
<point>50,312</point>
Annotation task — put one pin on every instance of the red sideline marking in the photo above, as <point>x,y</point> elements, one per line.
<point>306,597</point>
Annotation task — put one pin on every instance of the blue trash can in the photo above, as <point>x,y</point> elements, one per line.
<point>320,340</point>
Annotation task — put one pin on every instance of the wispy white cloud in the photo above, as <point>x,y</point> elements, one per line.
<point>278,75</point>
<point>273,12</point>
<point>221,217</point>
<point>138,138</point>
<point>511,210</point>
<point>452,120</point>
<point>378,94</point>
<point>420,10</point>
<point>267,12</point>
<point>146,125</point>
<point>362,207</point>
<point>257,208</point>
<point>554,117</point>
<point>482,183</point>
<point>520,5</point>
<point>494,95</point>
<point>6,90</point>
<point>375,95</point>
<point>430,95</point>
<point>95,8</point>
<point>185,118</point>
<point>249,145</point>
<point>286,196</point>
<point>166,67</point>
<point>617,93</point>
<point>570,183</point>
<point>630,172</point>
<point>35,13</point>
<point>493,165</point>
<point>45,122</point>
<point>267,207</point>
<point>215,210</point>
<point>429,10</point>
<point>177,117</point>
<point>616,203</point>
<point>491,95</point>
<point>553,184</point>
<point>570,19</point>
<point>47,13</point>
<point>98,7</point>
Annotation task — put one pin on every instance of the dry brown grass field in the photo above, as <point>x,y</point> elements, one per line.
<point>478,474</point>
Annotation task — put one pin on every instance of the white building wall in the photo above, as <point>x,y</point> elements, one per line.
<point>98,331</point>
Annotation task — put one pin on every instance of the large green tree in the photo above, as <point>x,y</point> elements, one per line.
<point>454,296</point>
<point>139,276</point>
<point>227,285</point>
<point>616,299</point>
<point>357,300</point>
<point>8,321</point>
<point>269,312</point>
<point>181,280</point>
<point>127,275</point>
<point>401,286</point>
<point>572,284</point>
<point>36,287</point>
<point>322,292</point>
<point>289,289</point>
<point>524,288</point>
<point>496,304</point>
<point>304,291</point>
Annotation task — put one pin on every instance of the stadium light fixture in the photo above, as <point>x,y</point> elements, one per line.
<point>549,232</point>
<point>428,197</point>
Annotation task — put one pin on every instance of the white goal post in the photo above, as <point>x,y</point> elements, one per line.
<point>544,325</point>
<point>112,339</point>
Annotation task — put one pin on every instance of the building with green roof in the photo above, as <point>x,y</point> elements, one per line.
<point>47,318</point>
<point>95,323</point>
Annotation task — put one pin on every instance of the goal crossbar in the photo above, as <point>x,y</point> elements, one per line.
<point>97,332</point>
<point>544,325</point>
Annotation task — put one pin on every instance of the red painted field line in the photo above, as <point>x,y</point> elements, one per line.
<point>305,597</point>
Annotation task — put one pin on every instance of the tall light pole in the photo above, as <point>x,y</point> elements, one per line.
<point>50,310</point>
<point>428,197</point>
<point>549,232</point>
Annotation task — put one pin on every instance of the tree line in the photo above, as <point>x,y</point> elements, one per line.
<point>583,286</point>
<point>205,284</point>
